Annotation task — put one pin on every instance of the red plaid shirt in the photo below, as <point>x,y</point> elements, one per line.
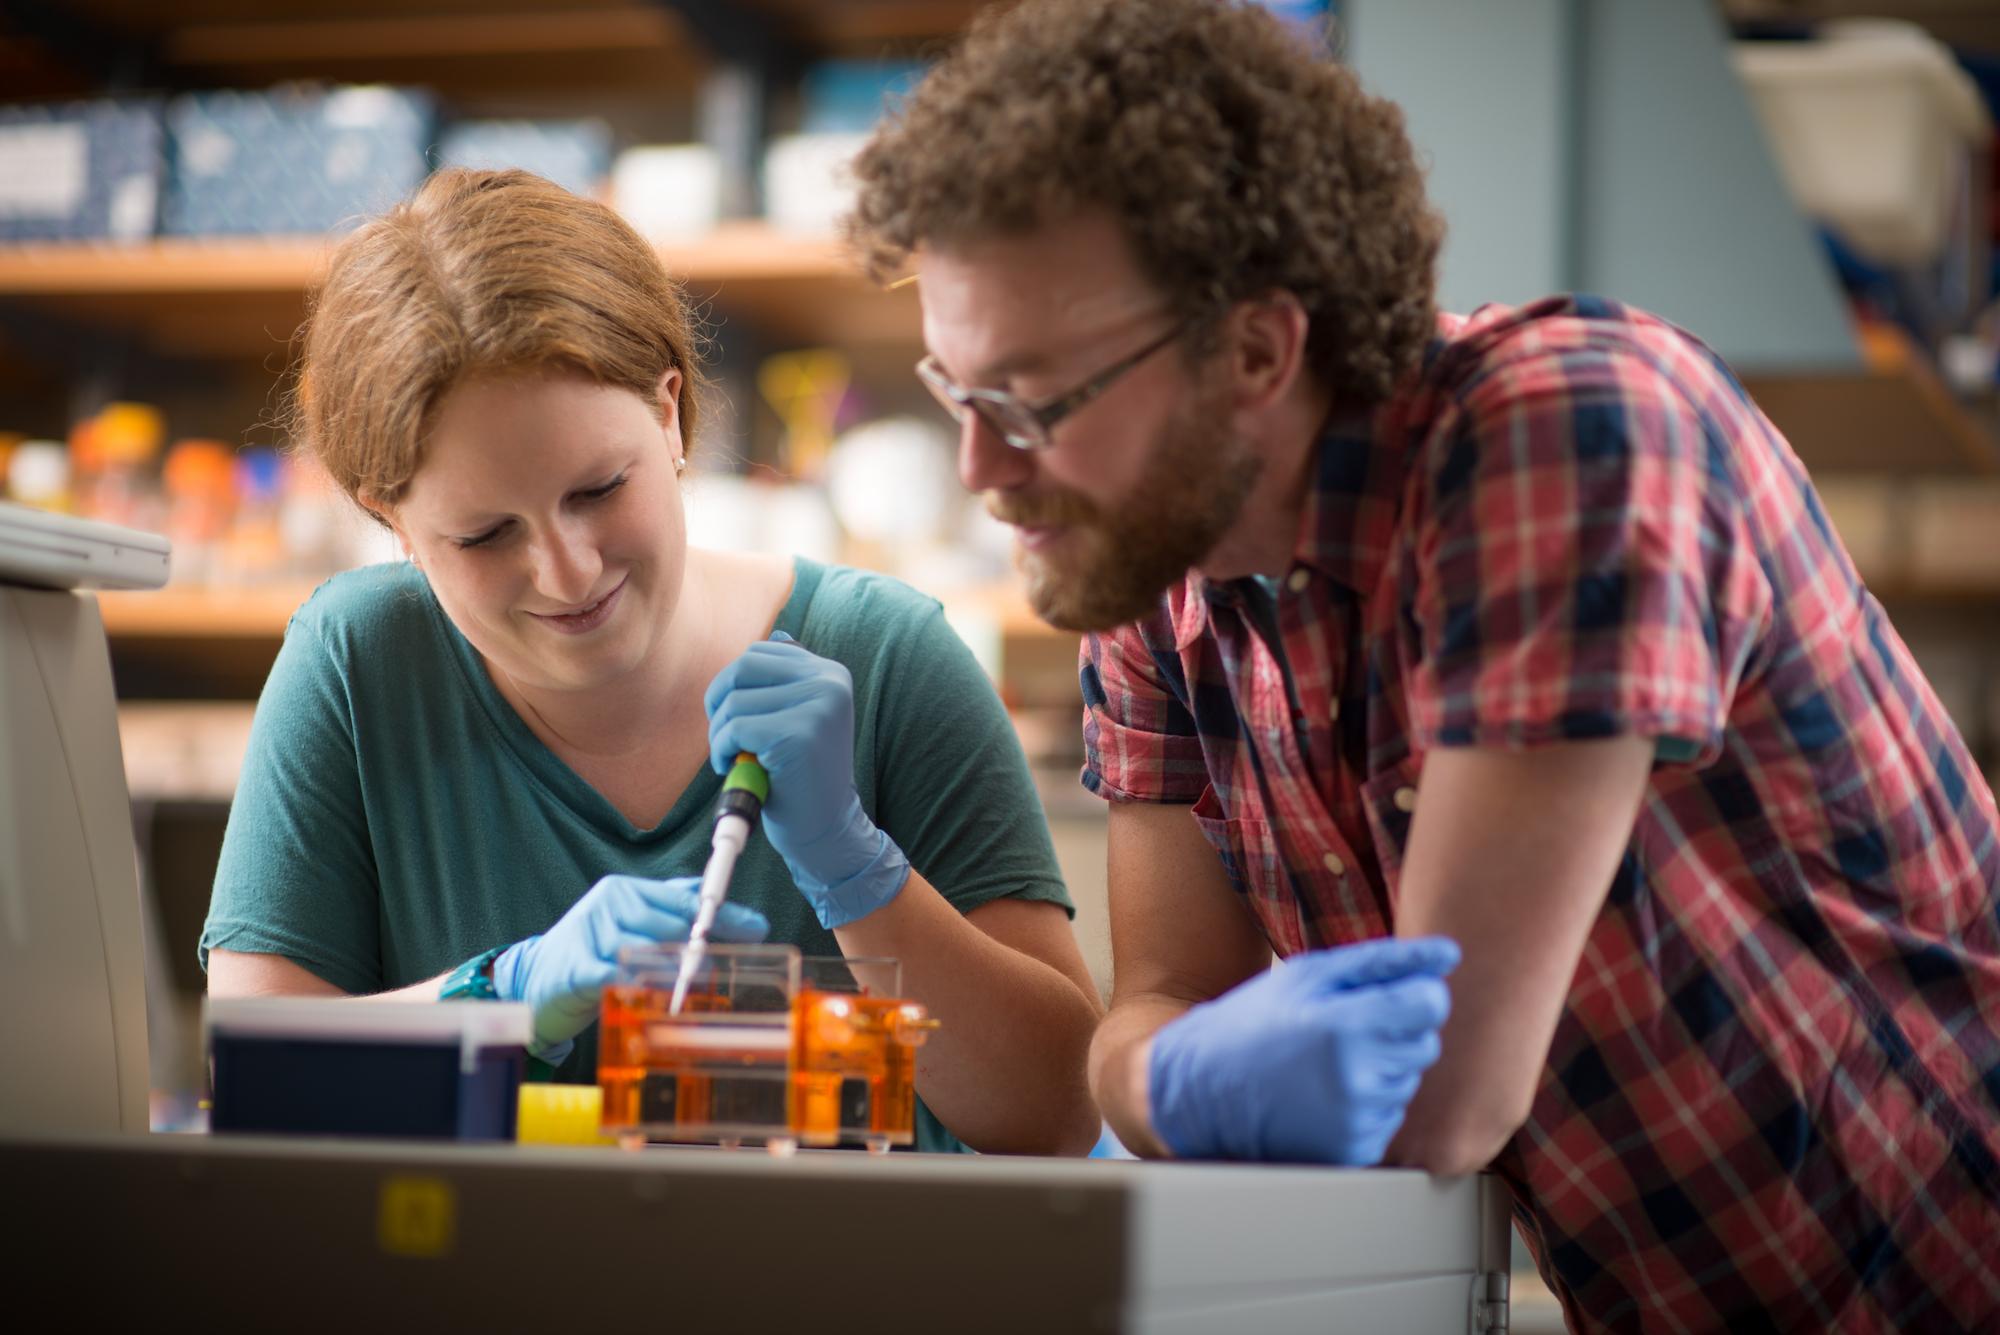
<point>1773,1098</point>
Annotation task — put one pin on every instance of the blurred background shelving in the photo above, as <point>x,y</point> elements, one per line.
<point>205,298</point>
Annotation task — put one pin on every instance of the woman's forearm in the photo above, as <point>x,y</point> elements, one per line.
<point>237,974</point>
<point>1005,1069</point>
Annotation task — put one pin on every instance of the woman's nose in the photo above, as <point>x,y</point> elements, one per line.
<point>567,564</point>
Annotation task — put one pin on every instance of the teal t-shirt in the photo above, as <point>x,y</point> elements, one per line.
<point>395,816</point>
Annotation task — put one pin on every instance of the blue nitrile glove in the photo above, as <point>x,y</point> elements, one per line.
<point>562,972</point>
<point>794,711</point>
<point>1312,1062</point>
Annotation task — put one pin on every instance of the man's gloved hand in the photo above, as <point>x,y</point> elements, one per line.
<point>1312,1062</point>
<point>794,711</point>
<point>562,972</point>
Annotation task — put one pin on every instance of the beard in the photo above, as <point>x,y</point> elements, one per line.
<point>1112,564</point>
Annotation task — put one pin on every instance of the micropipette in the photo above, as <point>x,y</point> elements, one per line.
<point>743,794</point>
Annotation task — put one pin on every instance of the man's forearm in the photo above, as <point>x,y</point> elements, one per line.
<point>1119,1057</point>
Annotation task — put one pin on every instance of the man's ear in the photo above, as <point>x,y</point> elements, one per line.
<point>384,514</point>
<point>1267,341</point>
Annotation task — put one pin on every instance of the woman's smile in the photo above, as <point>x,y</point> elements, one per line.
<point>587,618</point>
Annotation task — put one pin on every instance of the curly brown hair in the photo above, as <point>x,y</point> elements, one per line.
<point>1238,160</point>
<point>478,273</point>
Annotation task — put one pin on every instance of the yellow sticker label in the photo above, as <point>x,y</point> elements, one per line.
<point>418,1216</point>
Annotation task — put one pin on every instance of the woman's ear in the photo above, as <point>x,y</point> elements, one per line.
<point>668,395</point>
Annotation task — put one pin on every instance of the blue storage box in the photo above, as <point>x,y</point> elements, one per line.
<point>80,171</point>
<point>448,1070</point>
<point>850,96</point>
<point>293,160</point>
<point>575,154</point>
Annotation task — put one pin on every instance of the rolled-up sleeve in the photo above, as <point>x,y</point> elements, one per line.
<point>1584,567</point>
<point>1139,738</point>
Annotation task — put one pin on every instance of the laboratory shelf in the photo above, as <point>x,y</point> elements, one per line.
<point>237,298</point>
<point>1893,413</point>
<point>472,51</point>
<point>744,251</point>
<point>196,613</point>
<point>246,298</point>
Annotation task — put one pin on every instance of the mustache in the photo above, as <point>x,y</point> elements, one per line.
<point>1047,509</point>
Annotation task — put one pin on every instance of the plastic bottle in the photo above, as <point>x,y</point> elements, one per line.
<point>112,459</point>
<point>38,475</point>
<point>200,477</point>
<point>255,551</point>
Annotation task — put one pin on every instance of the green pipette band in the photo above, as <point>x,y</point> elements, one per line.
<point>747,774</point>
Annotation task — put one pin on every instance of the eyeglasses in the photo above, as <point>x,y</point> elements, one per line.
<point>1026,426</point>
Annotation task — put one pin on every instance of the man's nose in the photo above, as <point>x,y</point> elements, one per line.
<point>986,462</point>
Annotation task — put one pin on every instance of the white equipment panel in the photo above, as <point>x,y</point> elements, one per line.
<point>53,551</point>
<point>72,957</point>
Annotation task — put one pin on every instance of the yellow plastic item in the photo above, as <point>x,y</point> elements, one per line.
<point>561,1115</point>
<point>121,433</point>
<point>805,389</point>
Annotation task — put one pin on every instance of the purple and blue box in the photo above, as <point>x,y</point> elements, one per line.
<point>293,160</point>
<point>297,160</point>
<point>333,1066</point>
<point>575,154</point>
<point>80,171</point>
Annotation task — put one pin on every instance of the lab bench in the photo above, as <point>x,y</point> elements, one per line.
<point>327,1234</point>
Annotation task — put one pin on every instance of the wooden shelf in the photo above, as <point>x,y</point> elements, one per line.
<point>860,24</point>
<point>195,613</point>
<point>183,751</point>
<point>245,297</point>
<point>485,48</point>
<point>470,51</point>
<point>747,252</point>
<point>160,268</point>
<point>1894,415</point>
<point>1968,23</point>
<point>322,40</point>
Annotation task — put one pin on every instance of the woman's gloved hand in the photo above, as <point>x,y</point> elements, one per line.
<point>1312,1062</point>
<point>794,711</point>
<point>562,972</point>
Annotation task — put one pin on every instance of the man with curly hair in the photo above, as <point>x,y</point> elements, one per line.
<point>1519,636</point>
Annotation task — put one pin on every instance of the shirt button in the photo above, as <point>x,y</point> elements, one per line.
<point>1334,864</point>
<point>1405,800</point>
<point>1297,583</point>
<point>1333,711</point>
